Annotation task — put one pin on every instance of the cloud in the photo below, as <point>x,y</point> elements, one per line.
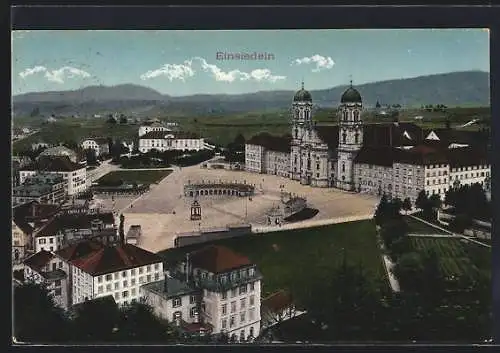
<point>321,62</point>
<point>189,67</point>
<point>58,75</point>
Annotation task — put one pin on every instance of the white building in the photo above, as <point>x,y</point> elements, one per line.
<point>151,127</point>
<point>214,290</point>
<point>95,270</point>
<point>41,187</point>
<point>99,144</point>
<point>399,159</point>
<point>168,140</point>
<point>75,174</point>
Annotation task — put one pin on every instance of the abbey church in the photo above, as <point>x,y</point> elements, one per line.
<point>398,159</point>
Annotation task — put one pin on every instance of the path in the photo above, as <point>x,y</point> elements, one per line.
<point>388,264</point>
<point>450,232</point>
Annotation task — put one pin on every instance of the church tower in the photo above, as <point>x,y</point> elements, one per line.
<point>301,123</point>
<point>350,137</point>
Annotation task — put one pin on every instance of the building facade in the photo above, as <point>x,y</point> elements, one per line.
<point>41,187</point>
<point>168,141</point>
<point>100,145</point>
<point>398,159</point>
<point>74,174</point>
<point>214,288</point>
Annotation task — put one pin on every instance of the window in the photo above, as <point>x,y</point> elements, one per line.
<point>125,284</point>
<point>157,276</point>
<point>243,289</point>
<point>141,270</point>
<point>224,295</point>
<point>157,266</point>
<point>242,317</point>
<point>57,283</point>
<point>109,277</point>
<point>132,272</point>
<point>224,323</point>
<point>343,167</point>
<point>148,268</point>
<point>252,286</point>
<point>51,240</point>
<point>41,241</point>
<point>99,279</point>
<point>117,285</point>
<point>252,300</point>
<point>251,314</point>
<point>233,307</point>
<point>99,289</point>
<point>141,279</point>
<point>133,291</point>
<point>125,294</point>
<point>232,321</point>
<point>233,292</point>
<point>124,274</point>
<point>224,309</point>
<point>57,291</point>
<point>132,282</point>
<point>176,302</point>
<point>108,287</point>
<point>116,276</point>
<point>243,303</point>
<point>193,311</point>
<point>148,278</point>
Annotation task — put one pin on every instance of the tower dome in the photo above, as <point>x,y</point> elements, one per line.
<point>302,95</point>
<point>351,95</point>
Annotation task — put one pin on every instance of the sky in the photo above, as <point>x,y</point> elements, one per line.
<point>182,63</point>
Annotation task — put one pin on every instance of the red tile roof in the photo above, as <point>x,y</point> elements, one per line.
<point>109,259</point>
<point>218,259</point>
<point>39,260</point>
<point>78,250</point>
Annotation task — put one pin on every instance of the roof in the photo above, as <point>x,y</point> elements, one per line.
<point>160,135</point>
<point>467,156</point>
<point>218,259</point>
<point>54,164</point>
<point>75,221</point>
<point>78,250</point>
<point>109,259</point>
<point>98,140</point>
<point>351,95</point>
<point>377,155</point>
<point>31,212</point>
<point>277,301</point>
<point>39,260</point>
<point>448,136</point>
<point>329,134</point>
<point>392,134</point>
<point>302,95</point>
<point>271,142</point>
<point>174,288</point>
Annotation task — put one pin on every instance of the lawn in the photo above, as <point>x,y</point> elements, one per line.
<point>299,256</point>
<point>130,176</point>
<point>457,256</point>
<point>418,227</point>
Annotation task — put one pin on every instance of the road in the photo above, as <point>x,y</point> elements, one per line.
<point>100,171</point>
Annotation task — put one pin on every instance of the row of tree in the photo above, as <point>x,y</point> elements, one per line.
<point>469,200</point>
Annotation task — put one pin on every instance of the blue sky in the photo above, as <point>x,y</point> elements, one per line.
<point>185,62</point>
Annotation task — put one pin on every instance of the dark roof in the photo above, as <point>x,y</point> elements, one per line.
<point>39,260</point>
<point>377,155</point>
<point>271,142</point>
<point>75,221</point>
<point>351,95</point>
<point>160,135</point>
<point>54,164</point>
<point>467,156</point>
<point>302,95</point>
<point>277,301</point>
<point>173,288</point>
<point>32,212</point>
<point>218,259</point>
<point>110,259</point>
<point>392,134</point>
<point>329,134</point>
<point>78,250</point>
<point>449,136</point>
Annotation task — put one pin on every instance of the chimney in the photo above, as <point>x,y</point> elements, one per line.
<point>165,284</point>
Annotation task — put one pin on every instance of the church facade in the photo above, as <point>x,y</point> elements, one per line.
<point>398,159</point>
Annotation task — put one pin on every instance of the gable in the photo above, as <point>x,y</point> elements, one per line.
<point>432,136</point>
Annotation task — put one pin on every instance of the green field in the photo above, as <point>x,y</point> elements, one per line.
<point>299,257</point>
<point>224,128</point>
<point>457,257</point>
<point>418,227</point>
<point>138,176</point>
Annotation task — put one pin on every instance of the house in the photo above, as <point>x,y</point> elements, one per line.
<point>75,174</point>
<point>214,289</point>
<point>168,140</point>
<point>42,187</point>
<point>21,237</point>
<point>65,229</point>
<point>47,269</point>
<point>152,125</point>
<point>134,234</point>
<point>60,151</point>
<point>99,144</point>
<point>97,270</point>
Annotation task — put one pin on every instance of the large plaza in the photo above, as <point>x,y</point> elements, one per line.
<point>164,211</point>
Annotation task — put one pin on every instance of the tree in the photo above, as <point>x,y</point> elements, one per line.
<point>91,156</point>
<point>123,119</point>
<point>121,229</point>
<point>422,201</point>
<point>36,317</point>
<point>460,223</point>
<point>138,324</point>
<point>435,202</point>
<point>392,233</point>
<point>96,320</point>
<point>408,269</point>
<point>111,120</point>
<point>407,204</point>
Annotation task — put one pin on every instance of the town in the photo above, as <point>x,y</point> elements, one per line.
<point>350,214</point>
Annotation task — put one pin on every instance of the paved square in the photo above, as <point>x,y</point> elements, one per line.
<point>164,211</point>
